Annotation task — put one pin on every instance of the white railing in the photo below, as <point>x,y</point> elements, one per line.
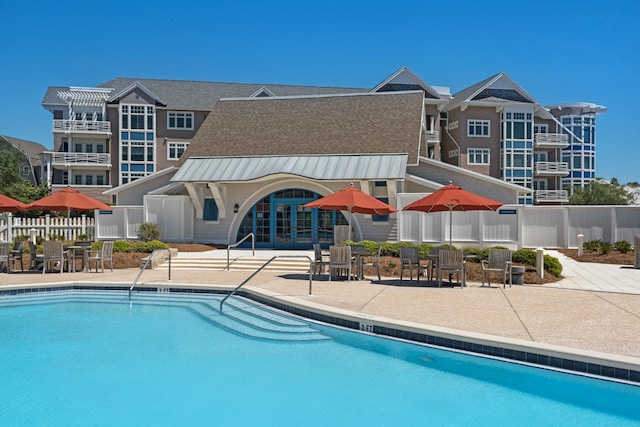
<point>68,126</point>
<point>551,139</point>
<point>552,168</point>
<point>46,226</point>
<point>59,158</point>
<point>433,137</point>
<point>551,196</point>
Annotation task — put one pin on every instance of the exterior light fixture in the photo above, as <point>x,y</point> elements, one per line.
<point>236,208</point>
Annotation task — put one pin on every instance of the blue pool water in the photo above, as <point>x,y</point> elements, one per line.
<point>91,358</point>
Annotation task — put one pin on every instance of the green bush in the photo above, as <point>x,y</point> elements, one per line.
<point>480,254</point>
<point>147,247</point>
<point>622,246</point>
<point>552,265</point>
<point>592,245</point>
<point>148,231</point>
<point>524,256</point>
<point>118,246</point>
<point>605,247</point>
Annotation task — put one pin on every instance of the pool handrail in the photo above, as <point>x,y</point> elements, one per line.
<point>262,267</point>
<point>144,266</point>
<point>236,244</point>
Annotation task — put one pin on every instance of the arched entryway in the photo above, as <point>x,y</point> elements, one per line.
<point>281,221</point>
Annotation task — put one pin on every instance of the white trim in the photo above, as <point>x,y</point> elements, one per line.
<point>484,125</point>
<point>474,152</point>
<point>176,144</point>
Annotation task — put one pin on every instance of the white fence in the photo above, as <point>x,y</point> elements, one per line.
<point>513,226</point>
<point>517,226</point>
<point>45,227</point>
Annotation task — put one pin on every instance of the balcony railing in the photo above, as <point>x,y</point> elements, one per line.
<point>79,159</point>
<point>552,196</point>
<point>82,126</point>
<point>552,168</point>
<point>551,140</point>
<point>433,137</point>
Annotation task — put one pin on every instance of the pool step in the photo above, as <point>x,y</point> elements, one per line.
<point>183,262</point>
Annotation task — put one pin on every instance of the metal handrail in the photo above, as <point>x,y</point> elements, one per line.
<point>144,266</point>
<point>253,246</point>
<point>263,266</point>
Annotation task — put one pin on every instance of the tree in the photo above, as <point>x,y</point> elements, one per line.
<point>11,162</point>
<point>600,192</point>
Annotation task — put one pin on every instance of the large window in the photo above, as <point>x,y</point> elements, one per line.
<point>478,127</point>
<point>478,156</point>
<point>137,142</point>
<point>176,149</point>
<point>179,120</point>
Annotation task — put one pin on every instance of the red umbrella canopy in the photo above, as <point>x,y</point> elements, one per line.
<point>7,204</point>
<point>68,199</point>
<point>353,200</point>
<point>452,197</point>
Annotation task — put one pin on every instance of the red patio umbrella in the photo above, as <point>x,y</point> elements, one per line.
<point>7,204</point>
<point>70,200</point>
<point>353,200</point>
<point>452,198</point>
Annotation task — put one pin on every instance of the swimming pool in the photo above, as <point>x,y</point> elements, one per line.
<point>88,357</point>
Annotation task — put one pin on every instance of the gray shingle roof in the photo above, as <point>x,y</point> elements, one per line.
<point>387,122</point>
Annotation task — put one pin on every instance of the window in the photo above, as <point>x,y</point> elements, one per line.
<point>478,156</point>
<point>99,180</point>
<point>540,129</point>
<point>178,120</point>
<point>478,127</point>
<point>88,179</point>
<point>26,170</point>
<point>210,211</point>
<point>78,179</point>
<point>381,218</point>
<point>137,141</point>
<point>176,149</point>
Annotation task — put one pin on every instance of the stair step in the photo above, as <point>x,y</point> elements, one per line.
<point>300,265</point>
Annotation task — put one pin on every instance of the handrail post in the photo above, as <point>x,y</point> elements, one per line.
<point>144,266</point>
<point>253,246</point>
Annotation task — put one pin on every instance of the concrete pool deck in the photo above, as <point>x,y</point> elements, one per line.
<point>594,310</point>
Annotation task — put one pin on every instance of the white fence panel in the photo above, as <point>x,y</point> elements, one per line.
<point>594,222</point>
<point>501,227</point>
<point>173,214</point>
<point>627,223</point>
<point>46,227</point>
<point>544,227</point>
<point>121,222</point>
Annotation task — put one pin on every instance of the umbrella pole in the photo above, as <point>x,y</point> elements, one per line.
<point>350,219</point>
<point>451,228</point>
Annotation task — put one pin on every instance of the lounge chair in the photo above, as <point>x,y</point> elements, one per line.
<point>499,261</point>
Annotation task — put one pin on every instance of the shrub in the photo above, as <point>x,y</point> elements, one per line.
<point>592,245</point>
<point>148,231</point>
<point>605,247</point>
<point>622,246</point>
<point>479,253</point>
<point>118,246</point>
<point>552,265</point>
<point>147,247</point>
<point>524,256</point>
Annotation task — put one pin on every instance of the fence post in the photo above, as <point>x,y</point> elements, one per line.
<point>9,229</point>
<point>540,262</point>
<point>636,251</point>
<point>83,229</point>
<point>47,225</point>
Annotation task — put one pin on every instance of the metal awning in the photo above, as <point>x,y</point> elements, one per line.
<point>320,167</point>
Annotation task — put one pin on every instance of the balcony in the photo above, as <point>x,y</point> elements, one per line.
<point>551,140</point>
<point>551,169</point>
<point>433,137</point>
<point>552,196</point>
<point>82,126</point>
<point>79,160</point>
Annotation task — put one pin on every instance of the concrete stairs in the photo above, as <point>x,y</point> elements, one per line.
<point>186,262</point>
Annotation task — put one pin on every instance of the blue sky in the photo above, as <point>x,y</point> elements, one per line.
<point>558,51</point>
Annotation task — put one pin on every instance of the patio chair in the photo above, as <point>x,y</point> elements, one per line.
<point>104,254</point>
<point>53,252</point>
<point>432,267</point>
<point>5,251</point>
<point>499,261</point>
<point>16,255</point>
<point>35,260</point>
<point>410,260</point>
<point>319,263</point>
<point>339,260</point>
<point>451,261</point>
<point>373,261</point>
